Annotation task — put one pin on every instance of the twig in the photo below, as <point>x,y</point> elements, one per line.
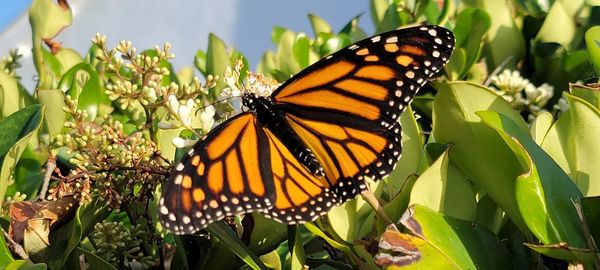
<point>14,246</point>
<point>374,202</point>
<point>50,166</point>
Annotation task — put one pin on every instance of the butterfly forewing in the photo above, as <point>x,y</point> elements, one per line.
<point>346,106</point>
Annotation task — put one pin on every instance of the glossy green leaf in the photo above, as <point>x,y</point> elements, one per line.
<point>477,150</point>
<point>285,48</point>
<point>95,262</point>
<point>10,96</point>
<point>5,255</point>
<point>413,160</point>
<point>48,18</point>
<point>266,235</point>
<point>440,242</point>
<point>390,21</point>
<point>298,258</point>
<point>444,189</point>
<point>217,60</point>
<point>489,214</point>
<point>68,58</point>
<point>65,239</point>
<point>302,50</point>
<point>378,9</point>
<point>319,25</point>
<point>25,265</point>
<point>540,126</point>
<point>200,62</point>
<point>90,96</point>
<point>228,238</point>
<point>591,213</point>
<point>28,173</point>
<point>592,42</point>
<point>16,131</point>
<point>504,37</point>
<point>585,257</point>
<point>588,93</point>
<point>353,30</point>
<point>572,142</point>
<point>471,27</point>
<point>398,204</point>
<point>560,24</point>
<point>334,44</point>
<point>54,102</point>
<point>544,192</point>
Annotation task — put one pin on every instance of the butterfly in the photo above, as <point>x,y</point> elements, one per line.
<point>307,147</point>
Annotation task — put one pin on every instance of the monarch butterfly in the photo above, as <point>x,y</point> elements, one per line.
<point>308,146</point>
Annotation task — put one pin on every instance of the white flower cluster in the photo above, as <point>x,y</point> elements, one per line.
<point>183,113</point>
<point>255,83</point>
<point>521,93</point>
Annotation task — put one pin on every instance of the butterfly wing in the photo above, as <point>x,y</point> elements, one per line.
<point>345,107</point>
<point>222,175</point>
<point>300,195</point>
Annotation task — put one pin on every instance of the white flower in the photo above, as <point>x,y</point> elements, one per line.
<point>562,105</point>
<point>207,118</point>
<point>510,82</point>
<point>181,143</point>
<point>184,113</point>
<point>173,103</point>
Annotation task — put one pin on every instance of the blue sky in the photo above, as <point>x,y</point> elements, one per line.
<point>10,10</point>
<point>186,24</point>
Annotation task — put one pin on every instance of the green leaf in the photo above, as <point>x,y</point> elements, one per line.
<point>200,62</point>
<point>540,126</point>
<point>560,24</point>
<point>471,26</point>
<point>573,143</point>
<point>582,256</point>
<point>266,235</point>
<point>95,262</point>
<point>298,258</point>
<point>302,50</point>
<point>353,30</point>
<point>504,37</point>
<point>68,58</point>
<point>544,192</point>
<point>378,9</point>
<point>477,150</point>
<point>590,94</point>
<point>390,20</point>
<point>48,18</point>
<point>54,102</point>
<point>285,48</point>
<point>334,44</point>
<point>16,131</point>
<point>25,265</point>
<point>65,239</point>
<point>489,214</point>
<point>592,42</point>
<point>12,97</point>
<point>217,60</point>
<point>319,25</point>
<point>228,238</point>
<point>5,255</point>
<point>92,96</point>
<point>28,173</point>
<point>591,213</point>
<point>443,188</point>
<point>440,242</point>
<point>413,159</point>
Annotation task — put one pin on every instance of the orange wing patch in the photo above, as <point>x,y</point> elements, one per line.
<point>319,77</point>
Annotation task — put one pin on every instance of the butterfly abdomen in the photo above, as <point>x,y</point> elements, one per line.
<point>274,120</point>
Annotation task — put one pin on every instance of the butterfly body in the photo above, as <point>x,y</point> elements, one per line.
<point>312,143</point>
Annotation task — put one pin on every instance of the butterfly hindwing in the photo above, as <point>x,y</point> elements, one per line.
<point>300,195</point>
<point>222,175</point>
